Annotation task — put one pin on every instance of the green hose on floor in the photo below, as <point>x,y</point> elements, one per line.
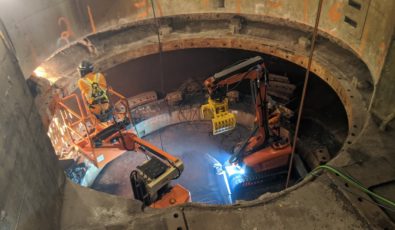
<point>354,182</point>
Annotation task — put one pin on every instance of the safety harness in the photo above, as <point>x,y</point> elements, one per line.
<point>98,94</point>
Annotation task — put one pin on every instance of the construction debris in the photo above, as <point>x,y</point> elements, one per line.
<point>76,172</point>
<point>174,98</point>
<point>233,96</point>
<point>142,99</point>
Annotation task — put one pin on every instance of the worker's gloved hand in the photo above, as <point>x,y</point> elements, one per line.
<point>98,100</point>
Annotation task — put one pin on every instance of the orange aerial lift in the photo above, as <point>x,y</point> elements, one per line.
<point>268,147</point>
<point>102,142</point>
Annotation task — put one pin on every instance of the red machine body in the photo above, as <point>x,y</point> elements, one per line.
<point>102,142</point>
<point>268,147</point>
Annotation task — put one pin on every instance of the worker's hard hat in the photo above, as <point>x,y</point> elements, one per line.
<point>85,67</point>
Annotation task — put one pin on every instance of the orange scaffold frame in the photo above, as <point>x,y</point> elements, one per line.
<point>99,156</point>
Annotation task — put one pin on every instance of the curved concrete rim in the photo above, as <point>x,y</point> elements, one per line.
<point>337,78</point>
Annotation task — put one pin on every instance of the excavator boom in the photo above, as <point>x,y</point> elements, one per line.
<point>104,142</point>
<point>267,149</point>
<point>217,107</point>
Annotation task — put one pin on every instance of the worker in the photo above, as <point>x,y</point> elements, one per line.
<point>93,87</point>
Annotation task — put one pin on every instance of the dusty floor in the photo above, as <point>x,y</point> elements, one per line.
<point>199,150</point>
<point>191,142</point>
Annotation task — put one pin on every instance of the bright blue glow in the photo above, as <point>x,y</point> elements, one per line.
<point>234,169</point>
<point>227,185</point>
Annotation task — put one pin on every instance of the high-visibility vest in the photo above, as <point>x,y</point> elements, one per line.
<point>93,89</point>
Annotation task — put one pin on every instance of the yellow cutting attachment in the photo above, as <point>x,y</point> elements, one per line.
<point>221,118</point>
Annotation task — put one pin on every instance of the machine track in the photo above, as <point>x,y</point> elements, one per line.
<point>239,183</point>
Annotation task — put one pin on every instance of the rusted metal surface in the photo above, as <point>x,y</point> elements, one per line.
<point>329,63</point>
<point>35,43</point>
<point>61,24</point>
<point>306,80</point>
<point>319,67</point>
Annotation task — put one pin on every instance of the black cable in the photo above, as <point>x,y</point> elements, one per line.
<point>236,155</point>
<point>263,100</point>
<point>174,166</point>
<point>170,162</point>
<point>117,125</point>
<point>238,83</point>
<point>139,194</point>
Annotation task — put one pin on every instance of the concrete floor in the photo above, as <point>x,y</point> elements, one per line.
<point>323,203</point>
<point>192,142</point>
<point>199,150</point>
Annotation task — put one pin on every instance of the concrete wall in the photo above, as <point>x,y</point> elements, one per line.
<point>145,73</point>
<point>40,27</point>
<point>163,120</point>
<point>384,103</point>
<point>31,182</point>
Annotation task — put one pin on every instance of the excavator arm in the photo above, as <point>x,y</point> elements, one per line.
<point>151,181</point>
<point>268,145</point>
<point>253,69</point>
<point>232,75</point>
<point>217,107</point>
<point>104,142</point>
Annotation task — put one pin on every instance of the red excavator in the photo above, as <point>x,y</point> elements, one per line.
<point>265,153</point>
<point>102,142</point>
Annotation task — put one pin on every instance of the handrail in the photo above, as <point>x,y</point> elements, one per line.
<point>122,98</point>
<point>80,119</point>
<point>84,115</point>
<point>69,110</point>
